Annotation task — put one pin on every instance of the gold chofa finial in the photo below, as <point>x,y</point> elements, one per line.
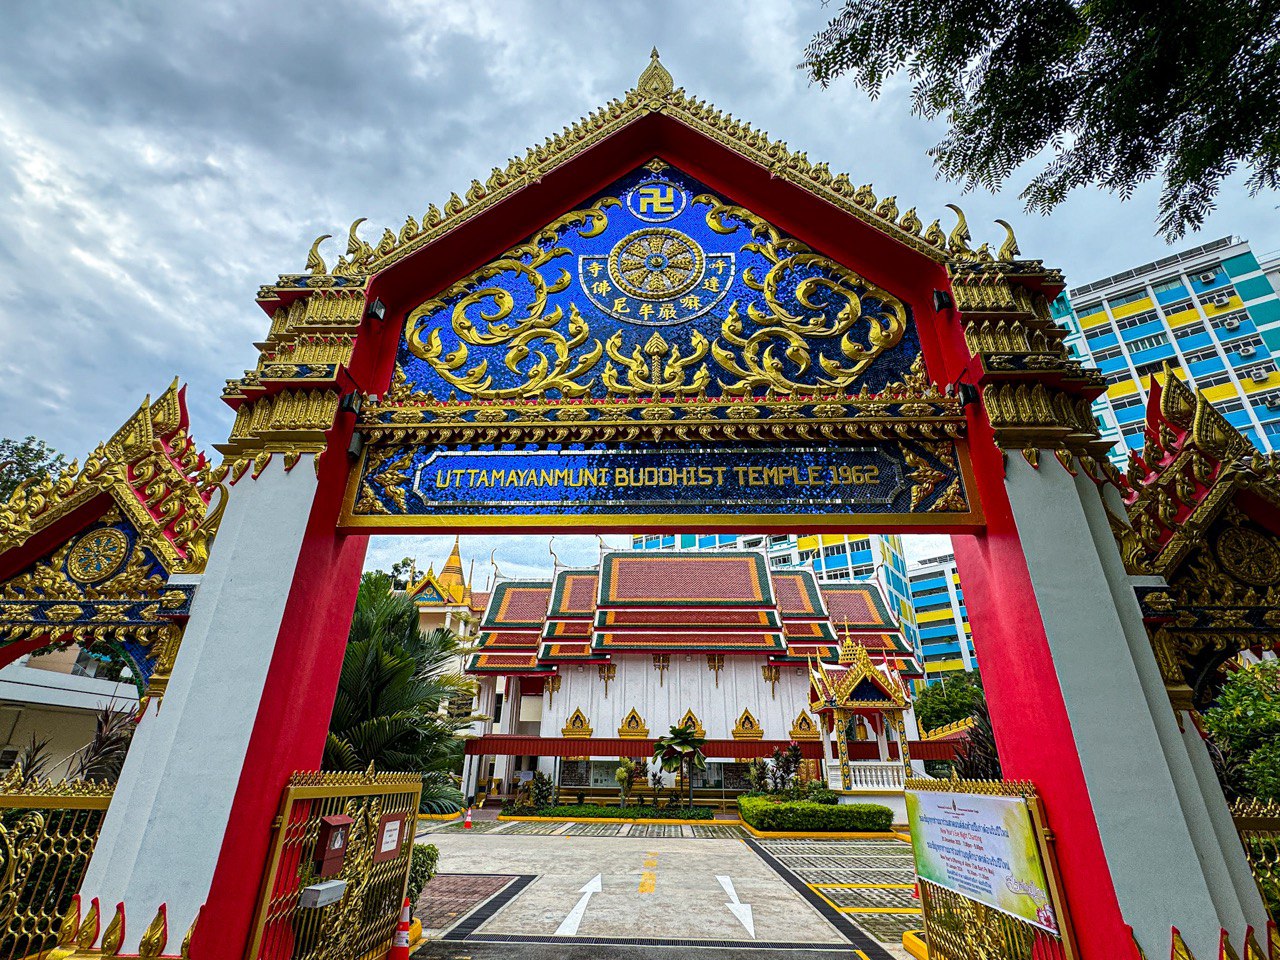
<point>656,81</point>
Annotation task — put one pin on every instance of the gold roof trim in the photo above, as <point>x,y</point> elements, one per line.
<point>655,92</point>
<point>151,468</point>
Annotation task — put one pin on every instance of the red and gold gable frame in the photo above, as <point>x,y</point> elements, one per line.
<point>661,357</point>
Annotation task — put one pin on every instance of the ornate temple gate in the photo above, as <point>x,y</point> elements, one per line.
<point>661,320</point>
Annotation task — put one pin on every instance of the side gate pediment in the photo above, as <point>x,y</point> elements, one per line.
<point>88,555</point>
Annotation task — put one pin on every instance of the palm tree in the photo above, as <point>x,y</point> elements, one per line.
<point>679,749</point>
<point>395,680</point>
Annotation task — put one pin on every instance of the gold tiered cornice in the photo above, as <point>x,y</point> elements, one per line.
<point>655,92</point>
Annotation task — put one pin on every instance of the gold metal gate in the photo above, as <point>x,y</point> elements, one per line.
<point>48,830</point>
<point>360,925</point>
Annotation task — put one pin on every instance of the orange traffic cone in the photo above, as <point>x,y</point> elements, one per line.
<point>467,823</point>
<point>915,891</point>
<point>400,942</point>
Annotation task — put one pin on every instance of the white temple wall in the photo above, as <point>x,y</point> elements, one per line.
<point>687,684</point>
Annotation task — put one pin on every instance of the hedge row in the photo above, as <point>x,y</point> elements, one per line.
<point>582,811</point>
<point>805,817</point>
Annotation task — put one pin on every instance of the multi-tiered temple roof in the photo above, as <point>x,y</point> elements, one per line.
<point>727,602</point>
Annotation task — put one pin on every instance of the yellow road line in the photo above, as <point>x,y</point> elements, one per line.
<point>649,878</point>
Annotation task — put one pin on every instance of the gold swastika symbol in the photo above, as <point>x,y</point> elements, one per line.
<point>657,199</point>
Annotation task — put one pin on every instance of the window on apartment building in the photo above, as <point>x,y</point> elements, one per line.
<point>1258,369</point>
<point>1131,297</point>
<point>780,561</point>
<point>1097,333</point>
<point>1229,406</point>
<point>1107,353</point>
<point>863,570</point>
<point>1211,298</point>
<point>1213,379</point>
<point>862,543</point>
<point>1200,353</point>
<point>1272,428</point>
<point>1089,311</point>
<point>1164,286</point>
<point>1178,306</point>
<point>1120,376</point>
<point>807,555</point>
<point>1123,403</point>
<point>1190,330</point>
<point>835,550</point>
<point>752,544</point>
<point>1137,320</point>
<point>838,575</point>
<point>1228,324</point>
<point>778,541</point>
<point>932,591</point>
<point>1147,343</point>
<point>1153,366</point>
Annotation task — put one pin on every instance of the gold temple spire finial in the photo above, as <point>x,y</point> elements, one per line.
<point>655,82</point>
<point>1009,249</point>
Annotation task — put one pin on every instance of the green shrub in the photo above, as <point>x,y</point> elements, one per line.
<point>584,811</point>
<point>805,816</point>
<point>422,867</point>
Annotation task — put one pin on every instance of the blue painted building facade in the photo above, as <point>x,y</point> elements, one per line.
<point>1211,312</point>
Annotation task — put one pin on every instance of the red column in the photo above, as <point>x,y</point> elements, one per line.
<point>293,718</point>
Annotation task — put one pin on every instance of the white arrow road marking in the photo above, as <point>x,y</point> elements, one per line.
<point>569,925</point>
<point>740,910</point>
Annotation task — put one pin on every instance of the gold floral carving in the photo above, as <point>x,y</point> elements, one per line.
<point>690,719</point>
<point>771,673</point>
<point>804,728</point>
<point>577,727</point>
<point>633,726</point>
<point>113,936</point>
<point>747,727</point>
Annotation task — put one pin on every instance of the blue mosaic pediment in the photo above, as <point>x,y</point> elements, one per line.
<point>656,288</point>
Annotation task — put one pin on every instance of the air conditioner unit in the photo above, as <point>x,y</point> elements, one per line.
<point>1231,323</point>
<point>1220,300</point>
<point>1273,403</point>
<point>1208,277</point>
<point>1247,351</point>
<point>1259,376</point>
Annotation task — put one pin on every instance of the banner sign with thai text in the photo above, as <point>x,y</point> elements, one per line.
<point>660,484</point>
<point>984,848</point>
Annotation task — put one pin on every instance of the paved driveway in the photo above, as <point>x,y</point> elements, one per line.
<point>533,890</point>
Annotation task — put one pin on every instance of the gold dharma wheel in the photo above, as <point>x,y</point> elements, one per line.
<point>1249,556</point>
<point>656,264</point>
<point>97,555</point>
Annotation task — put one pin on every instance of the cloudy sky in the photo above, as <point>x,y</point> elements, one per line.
<point>158,161</point>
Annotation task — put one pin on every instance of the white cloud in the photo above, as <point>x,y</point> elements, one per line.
<point>157,164</point>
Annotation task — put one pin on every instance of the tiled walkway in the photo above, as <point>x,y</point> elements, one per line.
<point>701,830</point>
<point>870,882</point>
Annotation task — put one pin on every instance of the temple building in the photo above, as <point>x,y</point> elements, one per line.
<point>445,599</point>
<point>595,664</point>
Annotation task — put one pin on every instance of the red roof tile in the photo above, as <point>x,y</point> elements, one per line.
<point>858,604</point>
<point>518,603</point>
<point>643,578</point>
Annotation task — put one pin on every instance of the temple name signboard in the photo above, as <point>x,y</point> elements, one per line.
<point>660,483</point>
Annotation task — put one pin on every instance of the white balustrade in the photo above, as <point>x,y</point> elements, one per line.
<point>868,775</point>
